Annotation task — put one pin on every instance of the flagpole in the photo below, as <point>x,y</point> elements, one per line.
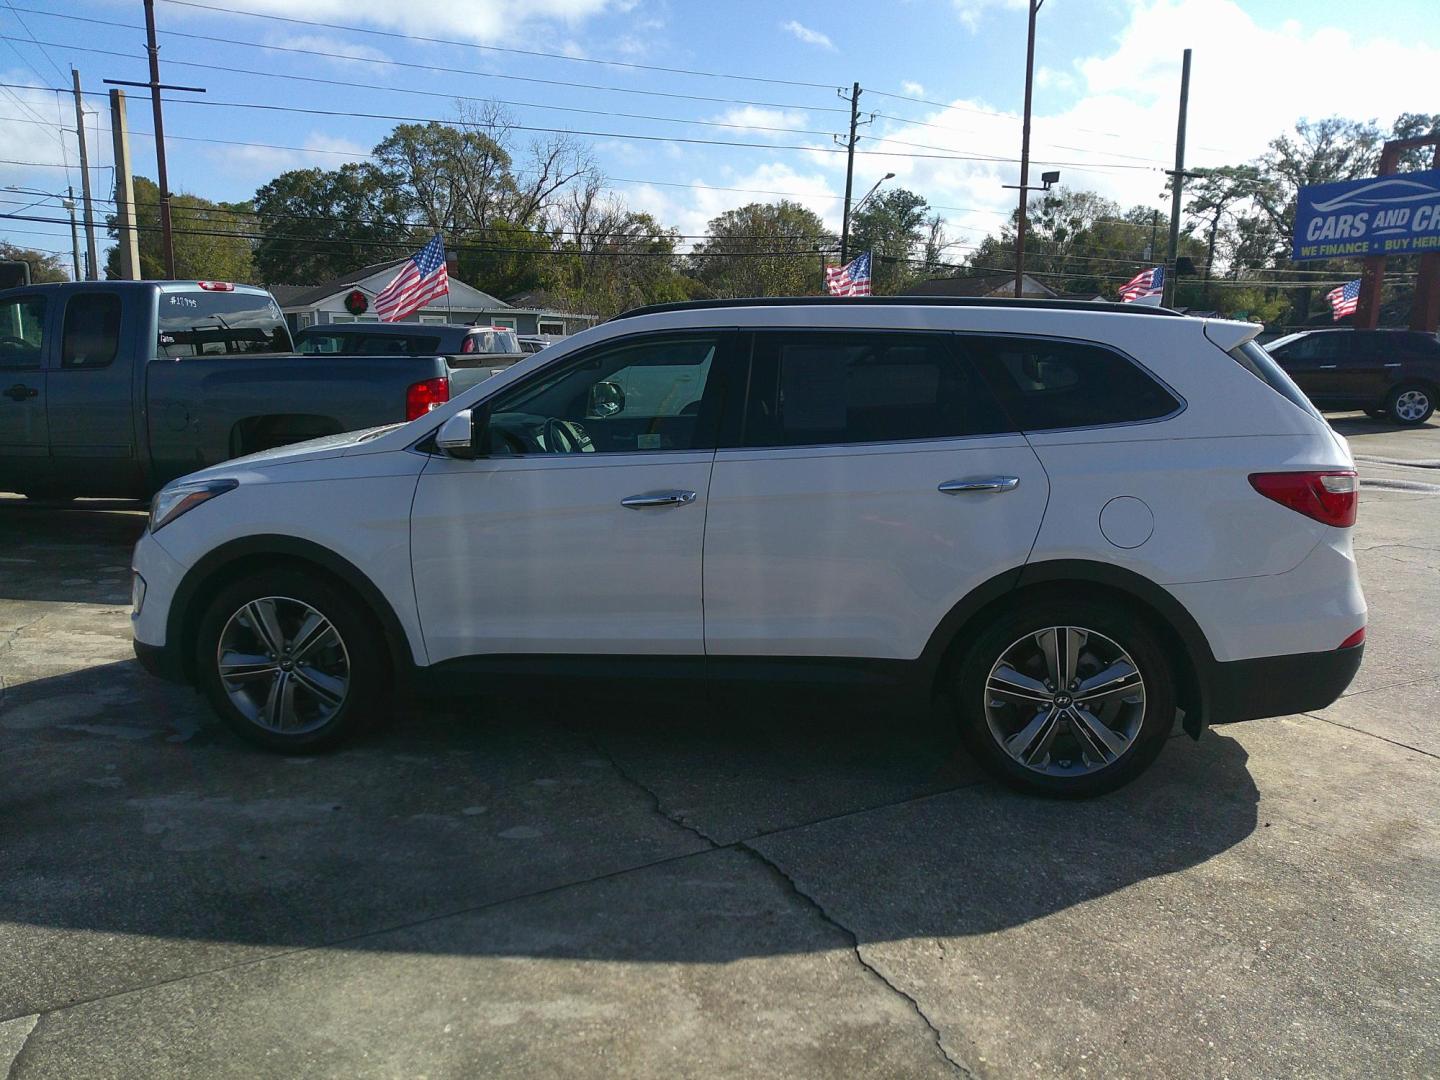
<point>445,257</point>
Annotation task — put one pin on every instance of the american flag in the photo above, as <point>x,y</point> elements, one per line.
<point>852,279</point>
<point>420,280</point>
<point>1344,299</point>
<point>1146,283</point>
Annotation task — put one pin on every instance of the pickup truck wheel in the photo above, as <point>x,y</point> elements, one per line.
<point>290,661</point>
<point>1069,698</point>
<point>1410,404</point>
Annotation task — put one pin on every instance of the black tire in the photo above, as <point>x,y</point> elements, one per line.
<point>970,697</point>
<point>1410,404</point>
<point>361,645</point>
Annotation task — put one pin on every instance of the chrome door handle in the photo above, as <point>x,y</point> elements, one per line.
<point>19,392</point>
<point>1328,367</point>
<point>989,483</point>
<point>1394,365</point>
<point>659,498</point>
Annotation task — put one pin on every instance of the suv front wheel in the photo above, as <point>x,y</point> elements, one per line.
<point>290,660</point>
<point>1069,699</point>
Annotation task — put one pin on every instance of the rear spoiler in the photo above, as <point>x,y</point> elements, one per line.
<point>1229,334</point>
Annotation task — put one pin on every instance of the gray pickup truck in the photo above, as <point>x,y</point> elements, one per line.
<point>114,388</point>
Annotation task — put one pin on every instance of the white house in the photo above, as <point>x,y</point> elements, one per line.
<point>352,299</point>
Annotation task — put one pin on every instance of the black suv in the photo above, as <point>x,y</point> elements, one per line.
<point>1391,374</point>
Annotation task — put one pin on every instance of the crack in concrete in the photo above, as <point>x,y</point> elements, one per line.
<point>790,886</point>
<point>830,920</point>
<point>9,643</point>
<point>1371,734</point>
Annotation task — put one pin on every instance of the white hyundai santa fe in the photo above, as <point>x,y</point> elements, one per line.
<point>1069,523</point>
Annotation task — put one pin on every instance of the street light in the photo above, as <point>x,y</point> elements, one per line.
<point>845,237</point>
<point>68,204</point>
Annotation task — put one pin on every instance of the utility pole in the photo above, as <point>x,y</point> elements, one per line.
<point>129,242</point>
<point>1178,183</point>
<point>1025,151</point>
<point>1154,235</point>
<point>161,174</point>
<point>69,204</point>
<point>849,171</point>
<point>91,269</point>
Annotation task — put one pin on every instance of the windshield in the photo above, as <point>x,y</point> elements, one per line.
<point>204,323</point>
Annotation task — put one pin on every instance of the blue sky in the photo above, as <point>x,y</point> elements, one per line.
<point>951,72</point>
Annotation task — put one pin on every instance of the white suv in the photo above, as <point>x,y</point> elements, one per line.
<point>1071,522</point>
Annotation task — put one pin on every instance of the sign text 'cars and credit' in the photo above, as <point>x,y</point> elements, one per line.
<point>1379,215</point>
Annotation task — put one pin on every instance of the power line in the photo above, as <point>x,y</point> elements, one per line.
<point>449,71</point>
<point>503,49</point>
<point>14,11</point>
<point>1082,166</point>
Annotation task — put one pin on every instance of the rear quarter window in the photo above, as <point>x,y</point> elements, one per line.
<point>1047,385</point>
<point>1254,359</point>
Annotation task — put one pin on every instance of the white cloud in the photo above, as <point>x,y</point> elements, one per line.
<point>808,36</point>
<point>914,89</point>
<point>476,20</point>
<point>760,121</point>
<point>972,11</point>
<point>1047,78</point>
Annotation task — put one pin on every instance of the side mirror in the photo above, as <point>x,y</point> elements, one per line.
<point>606,399</point>
<point>458,437</point>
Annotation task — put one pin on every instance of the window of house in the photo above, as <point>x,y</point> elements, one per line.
<point>91,335</point>
<point>828,387</point>
<point>509,324</point>
<point>550,326</point>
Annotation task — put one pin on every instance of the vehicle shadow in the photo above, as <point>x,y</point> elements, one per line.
<point>1360,424</point>
<point>126,809</point>
<point>95,537</point>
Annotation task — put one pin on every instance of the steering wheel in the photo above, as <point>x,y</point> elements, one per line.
<point>566,437</point>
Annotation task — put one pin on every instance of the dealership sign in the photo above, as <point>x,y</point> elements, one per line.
<point>1380,215</point>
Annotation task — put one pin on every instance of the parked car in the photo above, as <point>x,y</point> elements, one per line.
<point>1070,522</point>
<point>1391,374</point>
<point>113,388</point>
<point>457,340</point>
<point>533,343</point>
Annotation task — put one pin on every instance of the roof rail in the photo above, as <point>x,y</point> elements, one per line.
<point>902,301</point>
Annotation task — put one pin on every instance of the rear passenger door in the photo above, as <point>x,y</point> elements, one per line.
<point>869,483</point>
<point>24,439</point>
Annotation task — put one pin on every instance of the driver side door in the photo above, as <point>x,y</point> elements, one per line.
<point>581,531</point>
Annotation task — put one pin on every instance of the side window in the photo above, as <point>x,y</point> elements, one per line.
<point>1048,384</point>
<point>826,387</point>
<point>655,393</point>
<point>22,333</point>
<point>1326,348</point>
<point>317,342</point>
<point>91,336</point>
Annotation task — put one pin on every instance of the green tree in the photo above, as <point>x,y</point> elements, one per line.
<point>210,238</point>
<point>45,266</point>
<point>317,224</point>
<point>893,226</point>
<point>762,249</point>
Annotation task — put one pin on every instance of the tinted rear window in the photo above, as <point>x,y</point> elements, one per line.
<point>204,323</point>
<point>1254,359</point>
<point>864,386</point>
<point>1046,384</point>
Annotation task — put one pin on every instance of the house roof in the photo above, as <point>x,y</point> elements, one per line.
<point>303,296</point>
<point>982,285</point>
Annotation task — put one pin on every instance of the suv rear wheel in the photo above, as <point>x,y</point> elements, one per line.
<point>1068,699</point>
<point>290,661</point>
<point>1410,404</point>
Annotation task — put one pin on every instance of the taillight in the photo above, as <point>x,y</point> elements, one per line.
<point>1357,638</point>
<point>1328,497</point>
<point>423,396</point>
<point>216,286</point>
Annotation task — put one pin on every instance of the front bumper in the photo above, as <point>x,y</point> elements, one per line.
<point>1279,685</point>
<point>161,662</point>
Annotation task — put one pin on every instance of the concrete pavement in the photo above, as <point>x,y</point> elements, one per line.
<point>582,887</point>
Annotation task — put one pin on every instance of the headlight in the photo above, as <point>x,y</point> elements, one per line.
<point>178,499</point>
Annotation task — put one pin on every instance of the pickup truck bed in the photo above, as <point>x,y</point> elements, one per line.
<point>115,388</point>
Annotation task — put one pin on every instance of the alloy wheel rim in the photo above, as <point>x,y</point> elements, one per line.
<point>1065,701</point>
<point>1411,405</point>
<point>283,665</point>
